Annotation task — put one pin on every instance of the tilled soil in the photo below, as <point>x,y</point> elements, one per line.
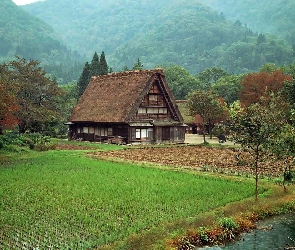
<point>223,160</point>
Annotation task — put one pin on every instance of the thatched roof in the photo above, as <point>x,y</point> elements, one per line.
<point>187,118</point>
<point>115,97</point>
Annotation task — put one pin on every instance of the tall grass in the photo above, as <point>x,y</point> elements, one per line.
<point>61,199</point>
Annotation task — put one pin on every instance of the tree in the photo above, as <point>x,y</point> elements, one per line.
<point>84,79</point>
<point>283,147</point>
<point>137,65</point>
<point>254,127</point>
<point>256,85</point>
<point>268,67</point>
<point>8,103</point>
<point>36,94</point>
<point>210,76</point>
<point>288,91</point>
<point>228,87</point>
<point>95,68</point>
<point>261,39</point>
<point>210,108</point>
<point>180,81</point>
<point>104,69</point>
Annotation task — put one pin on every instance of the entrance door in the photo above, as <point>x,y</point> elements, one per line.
<point>166,133</point>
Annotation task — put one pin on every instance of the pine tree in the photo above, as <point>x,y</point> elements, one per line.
<point>84,79</point>
<point>104,69</point>
<point>95,65</point>
<point>137,65</point>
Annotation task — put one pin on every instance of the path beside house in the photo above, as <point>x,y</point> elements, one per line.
<point>198,139</point>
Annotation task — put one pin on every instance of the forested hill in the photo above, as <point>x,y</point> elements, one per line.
<point>161,32</point>
<point>27,36</point>
<point>275,17</point>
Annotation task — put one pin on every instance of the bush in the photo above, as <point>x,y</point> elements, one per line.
<point>228,223</point>
<point>11,140</point>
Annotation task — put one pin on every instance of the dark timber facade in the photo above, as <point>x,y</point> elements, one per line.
<point>128,107</point>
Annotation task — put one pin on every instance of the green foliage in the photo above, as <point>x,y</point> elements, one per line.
<point>228,223</point>
<point>103,66</point>
<point>228,87</point>
<point>274,18</point>
<point>256,126</point>
<point>180,81</point>
<point>84,79</point>
<point>209,107</point>
<point>12,141</point>
<point>94,66</point>
<point>97,67</point>
<point>210,76</point>
<point>137,65</point>
<point>62,199</point>
<point>29,37</point>
<point>36,94</point>
<point>151,31</point>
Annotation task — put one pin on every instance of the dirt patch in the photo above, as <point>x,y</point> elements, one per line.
<point>222,160</point>
<point>72,147</point>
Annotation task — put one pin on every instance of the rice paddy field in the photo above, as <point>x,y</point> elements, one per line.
<point>63,199</point>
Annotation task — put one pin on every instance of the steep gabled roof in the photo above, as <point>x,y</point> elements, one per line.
<point>182,106</point>
<point>115,97</point>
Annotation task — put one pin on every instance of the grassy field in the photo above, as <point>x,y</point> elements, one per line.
<point>64,200</point>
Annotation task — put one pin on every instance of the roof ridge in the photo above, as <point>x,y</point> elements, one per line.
<point>129,72</point>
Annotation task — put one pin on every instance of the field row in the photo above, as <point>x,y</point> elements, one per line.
<point>67,200</point>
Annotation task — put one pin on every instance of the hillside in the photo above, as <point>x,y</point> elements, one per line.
<point>27,36</point>
<point>166,32</point>
<point>275,17</point>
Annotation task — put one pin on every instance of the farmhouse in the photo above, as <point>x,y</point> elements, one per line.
<point>128,107</point>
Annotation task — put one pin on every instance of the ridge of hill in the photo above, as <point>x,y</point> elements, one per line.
<point>274,17</point>
<point>25,35</point>
<point>187,33</point>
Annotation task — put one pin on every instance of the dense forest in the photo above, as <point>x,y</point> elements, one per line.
<point>29,37</point>
<point>274,17</point>
<point>188,34</point>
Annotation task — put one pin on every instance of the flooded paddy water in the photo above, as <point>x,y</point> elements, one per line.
<point>275,233</point>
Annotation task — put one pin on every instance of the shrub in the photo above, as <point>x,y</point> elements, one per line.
<point>228,223</point>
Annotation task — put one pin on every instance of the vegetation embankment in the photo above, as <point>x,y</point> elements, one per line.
<point>64,199</point>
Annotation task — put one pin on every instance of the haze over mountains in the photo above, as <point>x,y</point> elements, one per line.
<point>195,34</point>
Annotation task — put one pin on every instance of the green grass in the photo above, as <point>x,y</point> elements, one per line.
<point>63,199</point>
<point>94,145</point>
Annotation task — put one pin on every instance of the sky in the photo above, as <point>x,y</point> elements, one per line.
<point>23,2</point>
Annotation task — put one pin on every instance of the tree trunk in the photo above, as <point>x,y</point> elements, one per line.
<point>256,173</point>
<point>210,129</point>
<point>204,137</point>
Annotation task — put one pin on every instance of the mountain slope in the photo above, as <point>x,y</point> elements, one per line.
<point>275,17</point>
<point>96,24</point>
<point>197,38</point>
<point>160,32</point>
<point>27,36</point>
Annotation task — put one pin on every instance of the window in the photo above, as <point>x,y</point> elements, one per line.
<point>163,110</point>
<point>142,110</point>
<point>85,130</point>
<point>150,110</point>
<point>144,133</point>
<point>103,131</point>
<point>153,98</point>
<point>157,110</point>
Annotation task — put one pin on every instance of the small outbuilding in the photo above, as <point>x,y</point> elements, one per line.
<point>128,107</point>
